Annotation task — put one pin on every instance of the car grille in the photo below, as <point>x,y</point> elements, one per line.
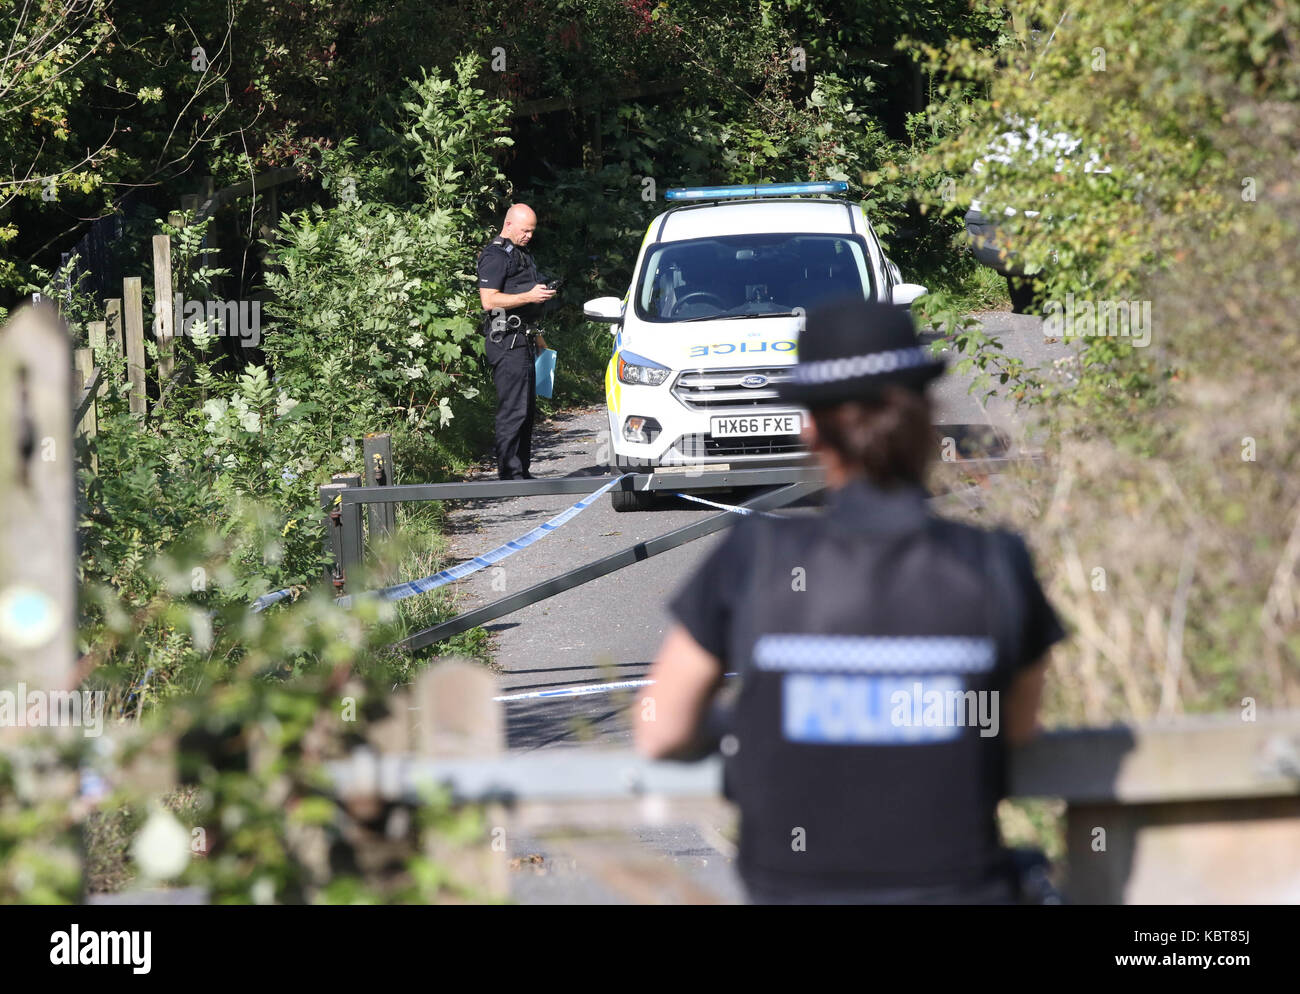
<point>707,389</point>
<point>705,446</point>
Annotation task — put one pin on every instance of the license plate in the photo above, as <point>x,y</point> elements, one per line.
<point>727,426</point>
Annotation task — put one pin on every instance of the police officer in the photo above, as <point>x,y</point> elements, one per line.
<point>886,657</point>
<point>512,294</point>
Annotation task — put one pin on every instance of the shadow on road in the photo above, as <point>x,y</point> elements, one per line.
<point>537,724</point>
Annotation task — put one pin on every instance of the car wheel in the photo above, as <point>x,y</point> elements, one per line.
<point>633,500</point>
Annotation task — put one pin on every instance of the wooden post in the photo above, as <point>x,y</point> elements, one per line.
<point>163,325</point>
<point>133,304</point>
<point>85,366</point>
<point>455,716</point>
<point>333,541</point>
<point>98,334</point>
<point>449,714</point>
<point>350,538</point>
<point>98,345</point>
<point>38,590</point>
<point>190,204</point>
<point>378,450</point>
<point>1158,812</point>
<point>113,311</point>
<point>209,252</point>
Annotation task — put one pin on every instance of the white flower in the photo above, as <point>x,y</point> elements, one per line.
<point>251,421</point>
<point>215,409</point>
<point>162,847</point>
<point>284,405</point>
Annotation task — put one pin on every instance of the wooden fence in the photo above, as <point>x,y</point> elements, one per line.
<point>124,319</point>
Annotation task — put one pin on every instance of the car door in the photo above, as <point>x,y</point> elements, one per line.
<point>887,274</point>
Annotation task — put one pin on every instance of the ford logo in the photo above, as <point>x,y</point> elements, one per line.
<point>754,380</point>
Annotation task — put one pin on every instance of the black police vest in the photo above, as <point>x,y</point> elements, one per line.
<point>860,762</point>
<point>521,276</point>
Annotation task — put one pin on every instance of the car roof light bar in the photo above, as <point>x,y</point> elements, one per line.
<point>759,190</point>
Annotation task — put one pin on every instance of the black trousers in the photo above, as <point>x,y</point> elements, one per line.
<point>515,377</point>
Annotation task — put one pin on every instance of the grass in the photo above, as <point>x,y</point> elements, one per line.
<point>968,288</point>
<point>983,290</point>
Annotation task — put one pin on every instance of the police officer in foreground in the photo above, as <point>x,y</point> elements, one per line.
<point>512,295</point>
<point>864,769</point>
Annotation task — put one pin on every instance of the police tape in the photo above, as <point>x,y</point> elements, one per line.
<point>584,691</point>
<point>591,688</point>
<point>733,508</point>
<point>275,596</point>
<point>401,591</point>
<point>411,588</point>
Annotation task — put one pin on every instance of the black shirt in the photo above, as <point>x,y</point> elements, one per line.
<point>505,266</point>
<point>843,784</point>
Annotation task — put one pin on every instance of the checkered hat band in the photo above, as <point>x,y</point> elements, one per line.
<point>875,653</point>
<point>852,367</point>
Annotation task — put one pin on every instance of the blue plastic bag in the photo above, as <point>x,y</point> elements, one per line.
<point>545,368</point>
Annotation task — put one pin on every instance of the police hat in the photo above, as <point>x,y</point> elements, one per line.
<point>850,348</point>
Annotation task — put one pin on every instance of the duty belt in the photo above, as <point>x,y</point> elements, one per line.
<point>514,328</point>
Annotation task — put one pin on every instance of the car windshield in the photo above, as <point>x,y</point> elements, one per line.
<point>739,276</point>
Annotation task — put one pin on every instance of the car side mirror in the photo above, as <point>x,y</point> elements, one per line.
<point>905,293</point>
<point>608,310</point>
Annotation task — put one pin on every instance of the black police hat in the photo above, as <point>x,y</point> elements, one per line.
<point>850,348</point>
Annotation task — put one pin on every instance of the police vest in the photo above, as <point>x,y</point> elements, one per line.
<point>505,266</point>
<point>866,748</point>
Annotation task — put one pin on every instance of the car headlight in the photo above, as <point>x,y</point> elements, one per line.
<point>633,368</point>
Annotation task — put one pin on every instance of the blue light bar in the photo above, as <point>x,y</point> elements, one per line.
<point>761,190</point>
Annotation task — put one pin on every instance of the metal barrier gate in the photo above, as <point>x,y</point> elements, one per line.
<point>345,540</point>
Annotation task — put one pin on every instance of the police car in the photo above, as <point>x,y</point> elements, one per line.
<point>709,323</point>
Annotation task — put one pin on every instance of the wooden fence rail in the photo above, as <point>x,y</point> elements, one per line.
<point>1202,810</point>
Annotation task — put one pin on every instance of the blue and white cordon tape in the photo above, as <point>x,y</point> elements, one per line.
<point>401,591</point>
<point>728,507</point>
<point>411,588</point>
<point>591,688</point>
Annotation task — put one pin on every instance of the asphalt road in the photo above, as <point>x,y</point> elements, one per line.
<point>609,629</point>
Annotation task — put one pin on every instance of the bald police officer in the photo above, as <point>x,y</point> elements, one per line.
<point>886,657</point>
<point>512,296</point>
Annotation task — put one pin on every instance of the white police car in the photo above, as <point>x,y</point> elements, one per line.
<point>710,321</point>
